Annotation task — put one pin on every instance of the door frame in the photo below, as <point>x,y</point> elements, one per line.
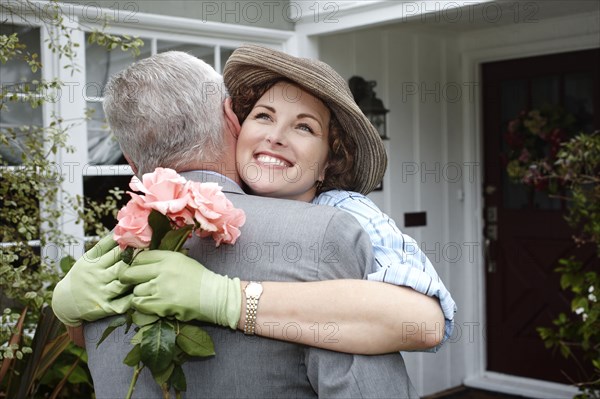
<point>476,356</point>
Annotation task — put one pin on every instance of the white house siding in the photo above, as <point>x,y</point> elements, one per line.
<point>273,14</point>
<point>420,129</point>
<point>434,132</point>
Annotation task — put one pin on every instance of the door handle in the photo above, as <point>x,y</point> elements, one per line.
<point>490,189</point>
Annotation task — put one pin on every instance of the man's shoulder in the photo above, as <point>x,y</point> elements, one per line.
<point>313,216</point>
<point>278,206</point>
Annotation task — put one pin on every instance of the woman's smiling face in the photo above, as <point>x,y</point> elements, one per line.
<point>283,144</point>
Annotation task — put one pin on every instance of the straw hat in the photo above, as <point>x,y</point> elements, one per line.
<point>252,65</point>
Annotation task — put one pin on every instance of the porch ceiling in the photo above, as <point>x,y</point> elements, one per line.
<point>445,15</point>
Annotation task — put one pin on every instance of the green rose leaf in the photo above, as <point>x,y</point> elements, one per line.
<point>158,344</point>
<point>180,356</point>
<point>163,376</point>
<point>127,255</point>
<point>175,239</point>
<point>137,338</point>
<point>178,379</point>
<point>134,356</point>
<point>160,225</point>
<point>129,317</point>
<point>116,323</point>
<point>195,341</point>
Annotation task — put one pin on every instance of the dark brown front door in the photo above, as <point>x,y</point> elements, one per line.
<point>525,230</point>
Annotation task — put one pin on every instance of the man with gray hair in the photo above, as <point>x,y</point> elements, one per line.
<point>165,112</point>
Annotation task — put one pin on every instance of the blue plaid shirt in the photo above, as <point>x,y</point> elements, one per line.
<point>398,258</point>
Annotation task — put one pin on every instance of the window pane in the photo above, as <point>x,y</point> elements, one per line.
<point>225,54</point>
<point>19,208</point>
<point>103,148</point>
<point>514,100</point>
<point>14,119</point>
<point>96,188</point>
<point>15,70</point>
<point>31,253</point>
<point>101,64</point>
<point>545,92</point>
<point>579,100</point>
<point>205,53</point>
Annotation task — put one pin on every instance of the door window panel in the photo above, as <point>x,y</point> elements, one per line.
<point>545,91</point>
<point>514,100</point>
<point>579,100</point>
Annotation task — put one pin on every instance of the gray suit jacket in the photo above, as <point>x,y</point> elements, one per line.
<point>281,241</point>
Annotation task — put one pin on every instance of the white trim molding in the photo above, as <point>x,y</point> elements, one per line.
<point>128,22</point>
<point>527,387</point>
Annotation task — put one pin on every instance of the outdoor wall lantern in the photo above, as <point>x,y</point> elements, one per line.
<point>369,104</point>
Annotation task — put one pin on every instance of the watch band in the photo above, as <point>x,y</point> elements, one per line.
<point>253,291</point>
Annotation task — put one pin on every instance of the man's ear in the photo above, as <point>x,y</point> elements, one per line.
<point>130,162</point>
<point>233,124</point>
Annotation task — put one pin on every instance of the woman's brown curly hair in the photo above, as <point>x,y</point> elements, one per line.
<point>339,173</point>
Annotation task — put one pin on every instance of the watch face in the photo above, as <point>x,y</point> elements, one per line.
<point>253,289</point>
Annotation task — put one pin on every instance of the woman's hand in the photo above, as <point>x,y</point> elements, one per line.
<point>169,283</point>
<point>91,289</point>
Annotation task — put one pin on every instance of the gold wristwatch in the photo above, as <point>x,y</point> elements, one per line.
<point>253,291</point>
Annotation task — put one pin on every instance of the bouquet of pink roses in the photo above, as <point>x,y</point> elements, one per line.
<point>188,206</point>
<point>166,213</point>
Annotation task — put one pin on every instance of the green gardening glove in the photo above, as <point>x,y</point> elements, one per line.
<point>91,289</point>
<point>171,284</point>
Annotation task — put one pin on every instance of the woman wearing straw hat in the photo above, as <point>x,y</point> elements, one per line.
<point>304,138</point>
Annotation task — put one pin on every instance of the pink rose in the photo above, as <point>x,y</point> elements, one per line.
<point>133,229</point>
<point>183,217</point>
<point>202,196</point>
<point>215,213</point>
<point>165,191</point>
<point>229,226</point>
<point>183,202</point>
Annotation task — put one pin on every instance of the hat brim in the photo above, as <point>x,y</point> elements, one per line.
<point>252,65</point>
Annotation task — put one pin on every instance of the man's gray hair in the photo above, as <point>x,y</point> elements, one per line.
<point>167,111</point>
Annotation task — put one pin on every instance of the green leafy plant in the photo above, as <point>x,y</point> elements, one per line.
<point>577,334</point>
<point>36,355</point>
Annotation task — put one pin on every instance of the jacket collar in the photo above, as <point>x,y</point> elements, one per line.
<point>206,176</point>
